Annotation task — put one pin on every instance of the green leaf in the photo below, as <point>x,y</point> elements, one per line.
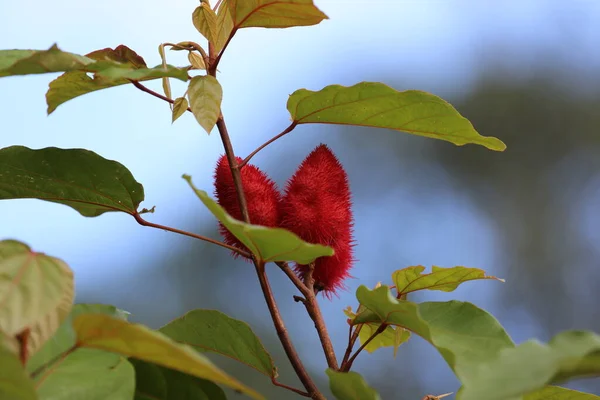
<point>112,67</point>
<point>25,62</point>
<point>267,244</point>
<point>15,384</point>
<point>34,291</point>
<point>211,330</point>
<point>559,393</point>
<point>205,94</point>
<point>350,386</point>
<point>224,27</point>
<point>273,13</point>
<point>166,84</point>
<point>463,334</point>
<point>410,279</point>
<point>179,107</point>
<point>205,21</point>
<point>392,336</point>
<point>380,106</point>
<point>62,370</point>
<point>196,60</point>
<point>159,383</point>
<point>134,340</point>
<point>533,365</point>
<point>78,178</point>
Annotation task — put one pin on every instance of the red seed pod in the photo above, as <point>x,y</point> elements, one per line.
<point>317,207</point>
<point>262,197</point>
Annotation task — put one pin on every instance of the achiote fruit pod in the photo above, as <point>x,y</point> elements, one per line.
<point>262,197</point>
<point>317,207</point>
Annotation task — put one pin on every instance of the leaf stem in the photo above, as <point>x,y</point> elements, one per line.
<point>268,142</point>
<point>153,93</point>
<point>53,361</point>
<point>143,222</point>
<point>348,364</point>
<point>352,337</point>
<point>282,385</point>
<point>312,307</point>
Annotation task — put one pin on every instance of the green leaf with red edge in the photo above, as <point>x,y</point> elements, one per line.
<point>134,340</point>
<point>213,331</point>
<point>350,386</point>
<point>463,334</point>
<point>158,383</point>
<point>377,105</point>
<point>36,293</point>
<point>78,178</point>
<point>61,370</point>
<point>411,279</point>
<point>205,21</point>
<point>205,94</point>
<point>112,67</point>
<point>224,27</point>
<point>273,13</point>
<point>267,244</point>
<point>560,393</point>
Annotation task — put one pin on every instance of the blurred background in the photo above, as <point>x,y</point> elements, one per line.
<point>526,72</point>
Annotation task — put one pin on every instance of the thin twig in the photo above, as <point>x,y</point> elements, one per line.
<point>352,337</point>
<point>143,222</point>
<point>153,93</point>
<point>361,348</point>
<point>282,385</point>
<point>312,307</point>
<point>268,142</point>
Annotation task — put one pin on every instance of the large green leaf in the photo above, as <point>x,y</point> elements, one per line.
<point>463,334</point>
<point>62,370</point>
<point>559,393</point>
<point>205,94</point>
<point>267,244</point>
<point>25,62</point>
<point>273,13</point>
<point>115,335</point>
<point>112,67</point>
<point>211,330</point>
<point>36,293</point>
<point>158,383</point>
<point>77,178</point>
<point>350,386</point>
<point>380,106</point>
<point>533,365</point>
<point>14,382</point>
<point>411,279</point>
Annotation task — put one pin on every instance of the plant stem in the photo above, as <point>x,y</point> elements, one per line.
<point>153,93</point>
<point>268,142</point>
<point>352,337</point>
<point>282,385</point>
<point>312,307</point>
<point>143,222</point>
<point>280,327</point>
<point>379,330</point>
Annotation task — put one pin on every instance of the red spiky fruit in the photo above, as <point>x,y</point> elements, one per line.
<point>317,207</point>
<point>262,197</point>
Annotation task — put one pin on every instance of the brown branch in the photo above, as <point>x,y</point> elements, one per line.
<point>352,337</point>
<point>265,286</point>
<point>153,93</point>
<point>282,385</point>
<point>268,142</point>
<point>379,330</point>
<point>312,307</point>
<point>143,222</point>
